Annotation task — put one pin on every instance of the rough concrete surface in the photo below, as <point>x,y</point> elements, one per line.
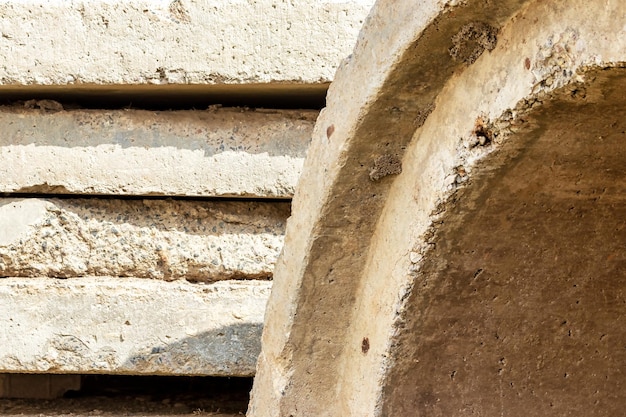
<point>175,41</point>
<point>219,152</point>
<point>162,239</point>
<point>131,326</point>
<point>390,324</point>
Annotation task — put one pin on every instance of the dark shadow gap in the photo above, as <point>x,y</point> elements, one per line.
<point>141,395</point>
<point>69,196</point>
<point>173,97</point>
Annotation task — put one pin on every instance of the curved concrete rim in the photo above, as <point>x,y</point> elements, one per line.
<point>430,107</point>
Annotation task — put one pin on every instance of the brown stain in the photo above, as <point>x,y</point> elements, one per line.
<point>179,12</point>
<point>365,345</point>
<point>330,130</point>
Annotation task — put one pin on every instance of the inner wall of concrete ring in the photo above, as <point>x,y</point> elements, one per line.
<point>423,265</point>
<point>518,302</point>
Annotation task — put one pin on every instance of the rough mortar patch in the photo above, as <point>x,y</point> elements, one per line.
<point>385,165</point>
<point>483,132</point>
<point>472,40</point>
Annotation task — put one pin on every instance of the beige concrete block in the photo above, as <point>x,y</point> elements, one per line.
<point>161,239</point>
<point>131,326</point>
<point>221,152</point>
<point>175,42</point>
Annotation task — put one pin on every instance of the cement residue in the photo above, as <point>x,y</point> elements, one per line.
<point>555,61</point>
<point>46,105</point>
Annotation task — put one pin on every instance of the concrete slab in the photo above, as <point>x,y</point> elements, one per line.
<point>160,239</point>
<point>175,41</point>
<point>218,152</point>
<point>131,326</point>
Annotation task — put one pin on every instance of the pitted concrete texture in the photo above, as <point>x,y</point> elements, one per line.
<point>131,326</point>
<point>401,294</point>
<point>219,152</point>
<point>161,239</point>
<point>175,41</point>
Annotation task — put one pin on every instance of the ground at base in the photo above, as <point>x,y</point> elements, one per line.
<point>108,395</point>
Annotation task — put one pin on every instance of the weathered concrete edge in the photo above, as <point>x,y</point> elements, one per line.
<point>200,241</point>
<point>131,326</point>
<point>223,152</point>
<point>222,42</point>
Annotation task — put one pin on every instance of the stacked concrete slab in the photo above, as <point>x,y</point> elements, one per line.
<point>125,246</point>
